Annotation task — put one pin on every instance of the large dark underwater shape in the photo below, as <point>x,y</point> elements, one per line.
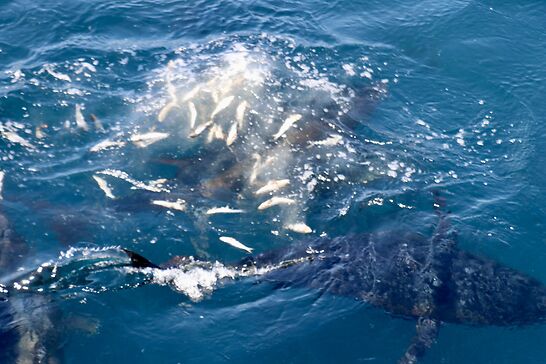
<point>385,104</point>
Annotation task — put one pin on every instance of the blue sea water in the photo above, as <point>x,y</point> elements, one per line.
<point>426,96</point>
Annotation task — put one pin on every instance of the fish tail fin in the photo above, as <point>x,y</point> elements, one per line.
<point>138,261</point>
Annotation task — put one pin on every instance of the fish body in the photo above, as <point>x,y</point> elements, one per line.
<point>272,186</point>
<point>222,104</point>
<point>200,129</point>
<point>275,201</point>
<point>103,185</point>
<point>193,114</point>
<point>166,110</point>
<point>232,134</point>
<point>224,210</point>
<point>179,204</point>
<point>106,144</point>
<point>291,120</point>
<point>240,113</point>
<point>147,139</point>
<point>235,243</point>
<point>192,93</point>
<point>299,227</point>
<point>80,120</point>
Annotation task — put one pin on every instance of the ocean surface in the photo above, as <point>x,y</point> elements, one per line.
<point>361,109</point>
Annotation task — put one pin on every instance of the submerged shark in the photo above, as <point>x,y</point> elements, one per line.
<point>409,275</point>
<point>406,274</point>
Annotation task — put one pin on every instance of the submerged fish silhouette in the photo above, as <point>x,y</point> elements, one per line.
<point>408,275</point>
<point>27,322</point>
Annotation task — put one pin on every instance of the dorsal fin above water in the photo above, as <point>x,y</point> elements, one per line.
<point>138,261</point>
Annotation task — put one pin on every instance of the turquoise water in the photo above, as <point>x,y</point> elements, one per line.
<point>423,96</point>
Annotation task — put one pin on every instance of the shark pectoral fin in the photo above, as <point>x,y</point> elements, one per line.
<point>425,335</point>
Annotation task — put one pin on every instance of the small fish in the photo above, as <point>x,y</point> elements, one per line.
<point>89,66</point>
<point>225,102</point>
<point>15,138</point>
<point>159,183</point>
<point>153,186</point>
<point>224,210</point>
<point>106,144</point>
<point>240,113</point>
<point>274,201</point>
<point>232,134</point>
<point>259,166</point>
<point>255,168</point>
<point>215,132</point>
<point>191,94</point>
<point>104,187</point>
<point>200,129</point>
<point>235,243</point>
<point>287,125</point>
<point>147,139</point>
<point>2,174</point>
<point>179,204</point>
<point>272,186</point>
<point>299,227</point>
<point>80,120</point>
<point>193,114</point>
<point>57,75</point>
<point>166,109</point>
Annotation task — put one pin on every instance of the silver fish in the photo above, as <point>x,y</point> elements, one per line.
<point>215,132</point>
<point>191,94</point>
<point>80,120</point>
<point>299,227</point>
<point>274,201</point>
<point>193,114</point>
<point>200,129</point>
<point>147,139</point>
<point>235,243</point>
<point>224,103</point>
<point>287,125</point>
<point>106,144</point>
<point>223,210</point>
<point>103,185</point>
<point>166,110</point>
<point>179,204</point>
<point>232,134</point>
<point>240,113</point>
<point>272,186</point>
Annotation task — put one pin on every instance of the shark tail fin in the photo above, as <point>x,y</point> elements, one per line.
<point>138,261</point>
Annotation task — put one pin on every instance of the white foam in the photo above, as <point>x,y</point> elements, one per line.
<point>198,279</point>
